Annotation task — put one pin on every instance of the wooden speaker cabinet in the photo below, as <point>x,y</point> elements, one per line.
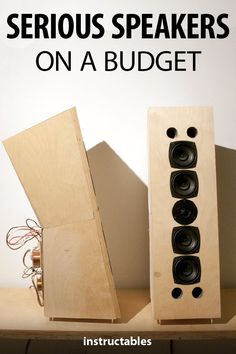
<point>51,163</point>
<point>184,249</point>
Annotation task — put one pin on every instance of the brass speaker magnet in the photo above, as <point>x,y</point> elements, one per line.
<point>36,257</point>
<point>39,284</point>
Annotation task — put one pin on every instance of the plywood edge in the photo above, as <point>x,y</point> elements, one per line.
<point>150,117</point>
<point>158,112</point>
<point>153,109</point>
<point>101,235</point>
<point>108,267</point>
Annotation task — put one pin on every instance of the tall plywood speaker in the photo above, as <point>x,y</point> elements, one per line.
<point>184,251</point>
<point>51,163</point>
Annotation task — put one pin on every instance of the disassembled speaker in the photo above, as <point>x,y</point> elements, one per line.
<point>51,163</point>
<point>184,251</point>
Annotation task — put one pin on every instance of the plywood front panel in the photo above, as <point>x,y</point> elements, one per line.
<point>161,203</point>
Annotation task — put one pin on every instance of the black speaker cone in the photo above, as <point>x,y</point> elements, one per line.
<point>184,184</point>
<point>184,212</point>
<point>185,239</point>
<point>186,270</point>
<point>183,154</point>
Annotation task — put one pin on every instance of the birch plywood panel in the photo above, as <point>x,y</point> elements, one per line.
<point>51,162</point>
<point>76,284</point>
<point>162,222</point>
<point>51,169</point>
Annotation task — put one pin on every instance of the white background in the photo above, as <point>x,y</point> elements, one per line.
<point>112,106</point>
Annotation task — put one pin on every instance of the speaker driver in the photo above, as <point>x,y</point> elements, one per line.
<point>184,212</point>
<point>186,239</point>
<point>186,270</point>
<point>184,184</point>
<point>183,154</point>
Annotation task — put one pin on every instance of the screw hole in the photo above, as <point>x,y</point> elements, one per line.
<point>171,132</point>
<point>192,132</point>
<point>197,292</point>
<point>177,293</point>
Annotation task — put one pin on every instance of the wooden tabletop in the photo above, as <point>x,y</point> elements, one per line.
<point>22,317</point>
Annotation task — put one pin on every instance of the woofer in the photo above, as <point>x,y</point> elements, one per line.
<point>184,184</point>
<point>184,212</point>
<point>186,239</point>
<point>183,154</point>
<point>186,270</point>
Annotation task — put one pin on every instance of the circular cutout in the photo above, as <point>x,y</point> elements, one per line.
<point>184,212</point>
<point>192,132</point>
<point>177,293</point>
<point>171,132</point>
<point>197,292</point>
<point>186,240</point>
<point>183,154</point>
<point>184,184</point>
<point>186,270</point>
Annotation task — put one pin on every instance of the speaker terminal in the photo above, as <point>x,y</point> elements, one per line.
<point>37,277</point>
<point>33,268</point>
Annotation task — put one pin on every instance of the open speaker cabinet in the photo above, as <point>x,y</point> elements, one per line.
<point>184,250</point>
<point>51,163</point>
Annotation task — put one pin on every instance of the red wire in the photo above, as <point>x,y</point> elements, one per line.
<point>19,238</point>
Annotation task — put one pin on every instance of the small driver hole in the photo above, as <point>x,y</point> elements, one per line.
<point>197,292</point>
<point>177,293</point>
<point>171,132</point>
<point>192,132</point>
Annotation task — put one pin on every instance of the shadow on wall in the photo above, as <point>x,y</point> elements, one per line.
<point>226,188</point>
<point>123,203</point>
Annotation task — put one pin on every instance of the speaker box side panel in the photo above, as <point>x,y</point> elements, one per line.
<point>161,203</point>
<point>51,163</point>
<point>75,282</point>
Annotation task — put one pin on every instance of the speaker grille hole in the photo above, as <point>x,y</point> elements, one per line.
<point>197,292</point>
<point>177,293</point>
<point>171,132</point>
<point>192,132</point>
